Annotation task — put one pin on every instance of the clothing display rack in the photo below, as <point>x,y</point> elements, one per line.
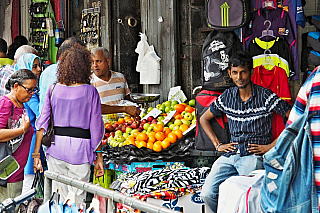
<point>114,196</point>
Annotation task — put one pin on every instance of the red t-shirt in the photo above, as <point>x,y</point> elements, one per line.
<point>276,80</point>
<point>22,153</point>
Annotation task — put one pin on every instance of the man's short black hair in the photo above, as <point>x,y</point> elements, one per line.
<point>3,46</point>
<point>240,58</point>
<point>68,43</point>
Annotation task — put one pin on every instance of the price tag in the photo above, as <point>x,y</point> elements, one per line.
<point>154,113</point>
<point>169,116</point>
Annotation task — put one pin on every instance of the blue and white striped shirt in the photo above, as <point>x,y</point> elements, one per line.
<point>250,121</point>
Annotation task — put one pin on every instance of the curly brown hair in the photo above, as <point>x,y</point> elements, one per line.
<point>75,66</point>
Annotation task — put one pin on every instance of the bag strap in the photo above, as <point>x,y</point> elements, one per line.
<point>38,179</point>
<point>50,96</point>
<point>12,110</point>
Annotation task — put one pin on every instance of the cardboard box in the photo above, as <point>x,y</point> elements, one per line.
<point>190,203</point>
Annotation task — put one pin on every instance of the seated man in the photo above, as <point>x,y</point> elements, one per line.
<point>3,54</point>
<point>249,110</point>
<point>112,86</point>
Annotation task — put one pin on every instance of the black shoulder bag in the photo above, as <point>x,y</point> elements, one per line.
<point>48,137</point>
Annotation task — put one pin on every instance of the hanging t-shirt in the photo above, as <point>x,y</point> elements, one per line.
<point>277,46</point>
<point>276,80</point>
<point>280,25</point>
<point>293,7</point>
<point>283,26</point>
<point>277,61</point>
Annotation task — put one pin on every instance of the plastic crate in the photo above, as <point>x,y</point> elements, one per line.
<point>105,181</point>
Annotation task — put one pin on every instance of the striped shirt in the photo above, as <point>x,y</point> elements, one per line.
<point>312,83</point>
<point>250,121</point>
<point>112,91</point>
<point>5,74</point>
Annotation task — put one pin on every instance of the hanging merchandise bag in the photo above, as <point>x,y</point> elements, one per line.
<point>216,51</point>
<point>227,15</point>
<point>219,125</point>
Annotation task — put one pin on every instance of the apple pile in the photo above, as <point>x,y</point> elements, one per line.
<point>151,132</point>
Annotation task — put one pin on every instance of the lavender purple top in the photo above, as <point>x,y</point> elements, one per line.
<point>73,106</point>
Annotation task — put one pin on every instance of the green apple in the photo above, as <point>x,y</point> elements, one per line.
<point>185,121</point>
<point>144,131</point>
<point>152,125</point>
<point>183,113</point>
<point>177,122</point>
<point>162,108</point>
<point>193,113</point>
<point>176,127</point>
<point>172,126</point>
<point>125,135</point>
<point>128,129</point>
<point>119,138</point>
<point>194,121</point>
<point>174,103</point>
<point>169,123</point>
<point>121,144</point>
<point>160,118</point>
<point>149,109</point>
<point>144,114</point>
<point>158,106</point>
<point>160,122</point>
<point>135,130</point>
<point>110,139</point>
<point>118,132</point>
<point>188,116</point>
<point>146,126</point>
<point>192,102</point>
<point>168,109</point>
<point>150,128</point>
<point>167,103</point>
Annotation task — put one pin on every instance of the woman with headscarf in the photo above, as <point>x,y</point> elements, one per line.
<point>31,62</point>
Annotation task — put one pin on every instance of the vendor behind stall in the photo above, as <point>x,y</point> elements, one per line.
<point>249,110</point>
<point>112,86</point>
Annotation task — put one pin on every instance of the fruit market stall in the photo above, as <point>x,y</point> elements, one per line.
<point>162,133</point>
<point>160,140</point>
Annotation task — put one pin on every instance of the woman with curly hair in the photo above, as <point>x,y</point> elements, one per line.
<point>78,125</point>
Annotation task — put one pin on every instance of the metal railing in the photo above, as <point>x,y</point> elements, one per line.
<point>113,195</point>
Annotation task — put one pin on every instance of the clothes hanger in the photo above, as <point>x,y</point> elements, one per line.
<point>267,32</point>
<point>267,62</point>
<point>268,4</point>
<point>54,200</point>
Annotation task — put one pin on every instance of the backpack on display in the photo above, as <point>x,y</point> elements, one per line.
<point>219,125</point>
<point>227,14</point>
<point>216,51</point>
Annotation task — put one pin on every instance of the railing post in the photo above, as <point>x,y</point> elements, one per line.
<point>47,189</point>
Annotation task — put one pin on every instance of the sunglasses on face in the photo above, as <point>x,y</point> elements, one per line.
<point>29,91</point>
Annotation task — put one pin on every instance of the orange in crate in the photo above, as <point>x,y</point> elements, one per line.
<point>172,138</point>
<point>151,139</point>
<point>142,137</point>
<point>183,127</point>
<point>160,136</point>
<point>157,146</point>
<point>158,128</point>
<point>178,133</point>
<point>150,145</point>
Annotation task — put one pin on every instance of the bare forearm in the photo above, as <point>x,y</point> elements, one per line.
<point>39,136</point>
<point>8,134</point>
<point>205,123</point>
<point>107,109</point>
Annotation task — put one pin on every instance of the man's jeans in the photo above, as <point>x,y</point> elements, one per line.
<point>222,169</point>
